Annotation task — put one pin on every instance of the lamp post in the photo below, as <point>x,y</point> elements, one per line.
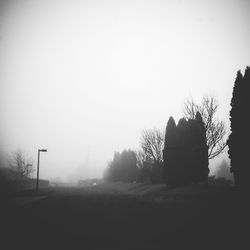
<point>37,178</point>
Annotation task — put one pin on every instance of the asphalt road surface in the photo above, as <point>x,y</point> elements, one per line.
<point>125,217</point>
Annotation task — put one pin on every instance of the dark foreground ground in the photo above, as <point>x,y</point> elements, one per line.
<point>126,216</point>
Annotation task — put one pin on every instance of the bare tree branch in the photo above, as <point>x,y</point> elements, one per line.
<point>215,130</point>
<point>152,143</point>
<point>22,166</point>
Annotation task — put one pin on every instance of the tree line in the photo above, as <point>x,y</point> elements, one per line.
<point>180,155</point>
<point>123,167</point>
<point>185,154</point>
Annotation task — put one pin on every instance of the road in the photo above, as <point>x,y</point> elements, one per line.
<point>125,217</point>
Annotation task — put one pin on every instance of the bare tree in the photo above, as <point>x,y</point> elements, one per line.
<point>150,156</point>
<point>22,166</point>
<point>215,129</point>
<point>152,143</point>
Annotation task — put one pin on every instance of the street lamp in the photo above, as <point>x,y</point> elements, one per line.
<point>37,178</point>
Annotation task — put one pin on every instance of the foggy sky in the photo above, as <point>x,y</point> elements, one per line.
<point>84,78</point>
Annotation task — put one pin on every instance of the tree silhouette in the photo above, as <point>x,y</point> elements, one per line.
<point>22,167</point>
<point>239,136</point>
<point>185,152</point>
<point>123,167</point>
<point>215,129</point>
<point>170,154</point>
<point>199,150</point>
<point>150,157</point>
<point>144,167</point>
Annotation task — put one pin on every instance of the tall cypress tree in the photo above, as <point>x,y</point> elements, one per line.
<point>169,152</point>
<point>200,150</point>
<point>185,152</point>
<point>183,161</point>
<point>235,127</point>
<point>193,150</point>
<point>239,136</point>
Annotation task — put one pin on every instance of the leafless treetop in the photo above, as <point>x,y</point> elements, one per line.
<point>215,129</point>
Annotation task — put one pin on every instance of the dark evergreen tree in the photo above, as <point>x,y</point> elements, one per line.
<point>183,161</point>
<point>185,152</point>
<point>123,167</point>
<point>169,153</point>
<point>129,166</point>
<point>199,151</point>
<point>235,127</point>
<point>239,136</point>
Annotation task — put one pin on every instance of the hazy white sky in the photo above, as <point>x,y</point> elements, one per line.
<point>84,78</point>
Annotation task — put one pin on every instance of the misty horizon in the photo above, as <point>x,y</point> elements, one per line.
<point>83,79</point>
